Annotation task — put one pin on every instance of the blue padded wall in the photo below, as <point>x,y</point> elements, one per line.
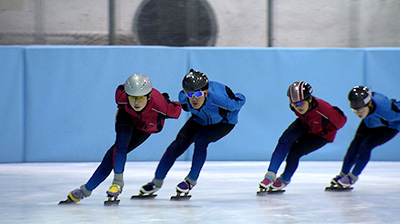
<point>70,98</point>
<point>12,104</point>
<point>58,101</point>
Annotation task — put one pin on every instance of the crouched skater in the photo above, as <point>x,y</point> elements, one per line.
<point>316,125</point>
<point>214,108</point>
<point>142,111</point>
<point>380,123</point>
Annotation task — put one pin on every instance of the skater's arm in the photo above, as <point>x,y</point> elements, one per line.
<point>230,101</point>
<point>170,109</point>
<point>337,118</point>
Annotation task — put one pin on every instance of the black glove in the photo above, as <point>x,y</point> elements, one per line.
<point>166,97</point>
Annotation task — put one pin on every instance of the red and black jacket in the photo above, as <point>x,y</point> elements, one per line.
<point>322,119</point>
<point>151,118</point>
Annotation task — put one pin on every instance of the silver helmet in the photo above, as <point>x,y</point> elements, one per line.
<point>138,85</point>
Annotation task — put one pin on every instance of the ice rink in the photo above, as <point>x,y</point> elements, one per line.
<point>225,193</point>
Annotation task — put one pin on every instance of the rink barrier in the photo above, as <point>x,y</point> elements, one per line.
<point>57,102</point>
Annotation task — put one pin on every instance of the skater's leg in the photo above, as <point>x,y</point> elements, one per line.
<point>351,154</point>
<point>305,145</point>
<point>120,153</point>
<point>378,136</point>
<point>183,140</point>
<point>102,171</point>
<point>203,138</point>
<point>288,138</point>
<point>137,138</point>
<point>123,128</point>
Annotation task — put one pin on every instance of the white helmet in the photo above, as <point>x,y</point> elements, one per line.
<point>138,85</point>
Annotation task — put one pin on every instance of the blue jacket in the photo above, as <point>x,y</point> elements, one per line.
<point>221,105</point>
<point>386,113</point>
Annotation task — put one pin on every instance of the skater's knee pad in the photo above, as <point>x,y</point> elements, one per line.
<point>86,192</point>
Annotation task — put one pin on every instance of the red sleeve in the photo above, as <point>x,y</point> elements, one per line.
<point>338,118</point>
<point>120,96</point>
<point>334,114</point>
<point>171,109</point>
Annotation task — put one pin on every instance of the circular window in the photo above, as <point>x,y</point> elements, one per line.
<point>175,23</point>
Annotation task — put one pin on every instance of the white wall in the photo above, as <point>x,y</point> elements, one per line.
<point>296,23</point>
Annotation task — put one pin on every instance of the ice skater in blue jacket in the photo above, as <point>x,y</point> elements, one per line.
<point>215,109</point>
<point>380,123</point>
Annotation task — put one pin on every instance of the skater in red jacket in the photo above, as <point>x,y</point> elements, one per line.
<point>316,125</point>
<point>142,111</point>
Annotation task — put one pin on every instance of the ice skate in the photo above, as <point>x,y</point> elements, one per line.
<point>147,191</point>
<point>279,184</point>
<point>74,196</point>
<point>273,187</point>
<point>335,185</point>
<point>265,186</point>
<point>346,181</point>
<point>182,191</point>
<point>266,183</point>
<point>335,180</point>
<point>113,192</point>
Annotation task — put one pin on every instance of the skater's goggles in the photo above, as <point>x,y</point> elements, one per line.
<point>137,98</point>
<point>298,104</point>
<point>197,94</point>
<point>359,110</point>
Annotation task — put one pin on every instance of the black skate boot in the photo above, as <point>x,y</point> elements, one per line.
<point>147,191</point>
<point>182,190</point>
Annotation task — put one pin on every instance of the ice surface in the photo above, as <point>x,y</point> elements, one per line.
<point>225,193</point>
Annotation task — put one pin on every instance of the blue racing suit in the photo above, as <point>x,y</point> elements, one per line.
<point>214,120</point>
<point>381,125</point>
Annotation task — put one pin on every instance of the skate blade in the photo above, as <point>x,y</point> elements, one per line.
<point>111,202</point>
<point>338,188</point>
<point>264,191</point>
<point>67,201</point>
<point>144,196</point>
<point>181,197</point>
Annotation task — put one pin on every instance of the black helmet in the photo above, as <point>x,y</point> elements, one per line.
<point>194,81</point>
<point>299,91</point>
<point>359,97</point>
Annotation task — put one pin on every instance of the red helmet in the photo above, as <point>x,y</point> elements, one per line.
<point>299,91</point>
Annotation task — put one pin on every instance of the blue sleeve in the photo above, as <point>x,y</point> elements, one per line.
<point>388,109</point>
<point>230,101</point>
<point>183,100</point>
